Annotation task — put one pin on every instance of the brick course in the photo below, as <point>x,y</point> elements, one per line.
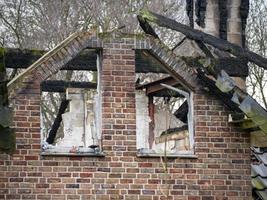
<point>221,170</point>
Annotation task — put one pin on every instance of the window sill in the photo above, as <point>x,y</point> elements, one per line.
<point>158,155</point>
<point>146,153</point>
<point>69,151</point>
<point>99,154</point>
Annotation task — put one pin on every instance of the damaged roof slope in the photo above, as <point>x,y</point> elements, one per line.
<point>224,86</point>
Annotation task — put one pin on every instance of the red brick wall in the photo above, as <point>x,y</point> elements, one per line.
<point>221,171</point>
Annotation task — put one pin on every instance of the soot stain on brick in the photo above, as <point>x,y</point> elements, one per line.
<point>223,19</point>
<point>200,12</point>
<point>190,12</point>
<point>244,10</point>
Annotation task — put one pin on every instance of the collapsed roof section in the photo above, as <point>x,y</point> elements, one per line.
<point>221,83</point>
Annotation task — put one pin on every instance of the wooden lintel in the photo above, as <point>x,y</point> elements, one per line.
<point>61,86</point>
<point>150,89</point>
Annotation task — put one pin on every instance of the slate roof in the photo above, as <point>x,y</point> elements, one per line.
<point>259,173</point>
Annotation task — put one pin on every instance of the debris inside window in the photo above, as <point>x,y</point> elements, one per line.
<point>79,130</point>
<point>164,120</point>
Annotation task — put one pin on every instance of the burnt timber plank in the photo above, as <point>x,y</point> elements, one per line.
<point>17,58</point>
<point>61,86</point>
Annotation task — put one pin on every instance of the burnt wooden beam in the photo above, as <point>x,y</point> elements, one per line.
<point>181,112</point>
<point>61,86</point>
<point>17,58</point>
<point>204,48</point>
<point>53,132</point>
<point>213,90</point>
<point>86,60</point>
<point>234,67</point>
<point>204,37</point>
<point>210,85</point>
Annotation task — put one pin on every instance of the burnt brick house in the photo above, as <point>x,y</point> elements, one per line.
<point>118,143</point>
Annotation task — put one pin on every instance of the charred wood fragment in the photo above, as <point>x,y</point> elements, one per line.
<point>190,12</point>
<point>213,90</point>
<point>53,132</point>
<point>204,48</point>
<point>210,85</point>
<point>146,27</point>
<point>206,38</point>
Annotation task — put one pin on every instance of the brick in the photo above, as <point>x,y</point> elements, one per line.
<point>72,186</point>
